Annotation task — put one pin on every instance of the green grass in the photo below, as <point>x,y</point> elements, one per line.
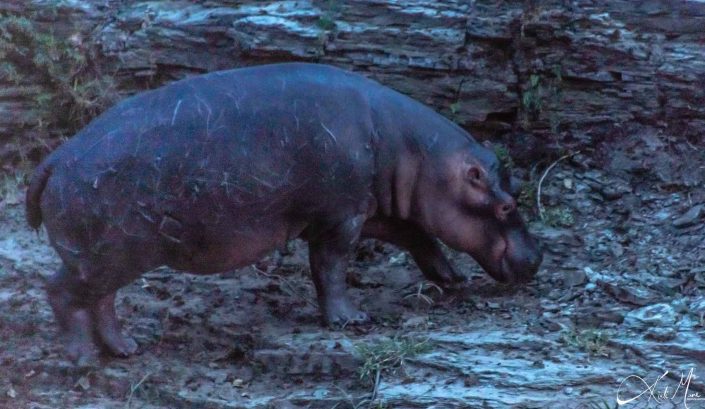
<point>388,355</point>
<point>326,23</point>
<point>11,185</point>
<point>559,216</point>
<point>503,155</point>
<point>592,341</point>
<point>74,88</point>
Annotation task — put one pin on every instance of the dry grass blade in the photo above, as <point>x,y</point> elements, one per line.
<point>420,295</point>
<point>539,206</point>
<point>134,388</point>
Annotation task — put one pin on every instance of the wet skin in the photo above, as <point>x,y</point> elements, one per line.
<point>213,172</point>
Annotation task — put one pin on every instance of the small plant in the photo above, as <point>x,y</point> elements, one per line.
<point>325,22</point>
<point>503,155</point>
<point>527,195</point>
<point>388,355</point>
<point>74,89</point>
<point>531,98</point>
<point>592,341</point>
<point>543,92</point>
<point>11,185</point>
<point>455,109</point>
<point>559,216</point>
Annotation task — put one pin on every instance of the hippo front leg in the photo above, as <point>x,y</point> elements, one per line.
<point>329,249</point>
<point>423,248</point>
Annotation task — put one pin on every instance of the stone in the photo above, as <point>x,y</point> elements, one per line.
<point>498,67</point>
<point>660,334</point>
<point>629,293</point>
<point>660,315</point>
<point>572,278</point>
<point>691,217</point>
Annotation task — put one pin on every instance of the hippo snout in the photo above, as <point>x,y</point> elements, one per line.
<point>522,258</point>
<point>522,268</point>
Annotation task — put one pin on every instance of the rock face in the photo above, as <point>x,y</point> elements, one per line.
<point>562,71</point>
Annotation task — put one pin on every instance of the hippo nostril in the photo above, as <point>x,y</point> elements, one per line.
<point>505,209</point>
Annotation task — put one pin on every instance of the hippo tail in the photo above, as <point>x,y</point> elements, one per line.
<point>34,192</point>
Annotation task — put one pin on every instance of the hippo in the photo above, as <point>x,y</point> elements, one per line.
<point>215,171</point>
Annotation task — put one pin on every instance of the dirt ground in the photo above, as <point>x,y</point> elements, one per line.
<point>618,303</point>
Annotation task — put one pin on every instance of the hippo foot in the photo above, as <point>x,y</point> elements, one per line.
<point>343,313</point>
<point>447,279</point>
<point>80,353</point>
<point>453,282</point>
<point>439,270</point>
<point>80,339</point>
<point>108,329</point>
<point>82,325</point>
<point>119,345</point>
<point>455,285</point>
<point>79,343</point>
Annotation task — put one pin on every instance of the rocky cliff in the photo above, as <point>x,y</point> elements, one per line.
<point>558,73</point>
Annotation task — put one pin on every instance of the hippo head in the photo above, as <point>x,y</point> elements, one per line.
<point>468,200</point>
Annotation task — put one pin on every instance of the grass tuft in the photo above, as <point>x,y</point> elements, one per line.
<point>389,355</point>
<point>591,340</point>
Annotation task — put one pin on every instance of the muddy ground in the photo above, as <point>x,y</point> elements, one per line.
<point>621,293</point>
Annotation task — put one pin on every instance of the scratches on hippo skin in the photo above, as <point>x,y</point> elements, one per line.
<point>433,141</point>
<point>226,184</point>
<point>138,145</point>
<point>96,180</point>
<point>103,137</point>
<point>262,181</point>
<point>236,100</point>
<point>285,139</point>
<point>68,249</point>
<point>209,112</point>
<point>286,195</point>
<point>332,136</point>
<point>156,167</point>
<point>296,117</point>
<point>141,209</point>
<point>171,229</point>
<point>176,112</point>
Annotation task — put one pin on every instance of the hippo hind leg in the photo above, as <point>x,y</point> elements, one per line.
<point>108,330</point>
<point>85,317</point>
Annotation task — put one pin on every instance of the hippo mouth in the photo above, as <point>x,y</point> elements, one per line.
<point>515,264</point>
<point>508,275</point>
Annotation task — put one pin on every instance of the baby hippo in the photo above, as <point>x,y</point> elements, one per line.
<point>213,172</point>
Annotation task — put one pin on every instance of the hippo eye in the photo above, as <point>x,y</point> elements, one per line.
<point>474,174</point>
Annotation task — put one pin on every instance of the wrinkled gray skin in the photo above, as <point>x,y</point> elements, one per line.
<point>213,172</point>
